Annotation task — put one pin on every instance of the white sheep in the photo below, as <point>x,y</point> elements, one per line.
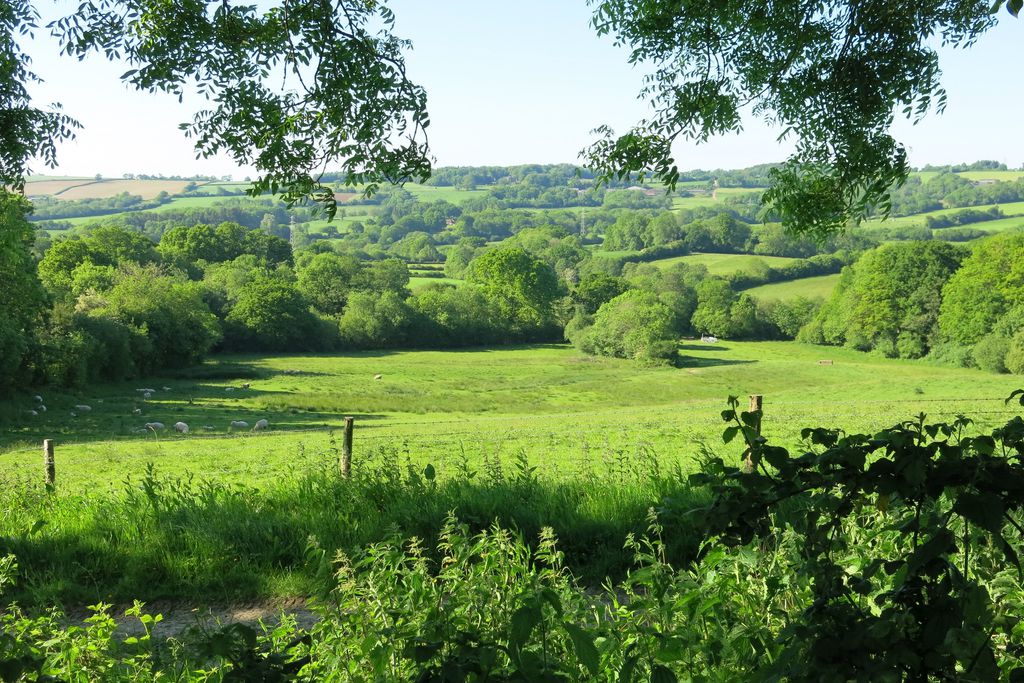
<point>31,413</point>
<point>166,388</point>
<point>136,411</point>
<point>74,414</point>
<point>181,427</point>
<point>246,385</point>
<point>82,408</point>
<point>260,425</point>
<point>154,426</point>
<point>239,424</point>
<point>229,388</point>
<point>42,408</point>
<point>378,376</point>
<point>146,396</point>
<point>37,398</point>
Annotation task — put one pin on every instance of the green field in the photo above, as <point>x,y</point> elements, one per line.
<point>724,264</point>
<point>416,283</point>
<point>819,287</point>
<point>555,406</point>
<point>1011,209</point>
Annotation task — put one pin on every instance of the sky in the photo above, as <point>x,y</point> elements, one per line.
<point>512,83</point>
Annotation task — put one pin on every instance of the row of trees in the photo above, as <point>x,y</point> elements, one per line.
<point>917,299</point>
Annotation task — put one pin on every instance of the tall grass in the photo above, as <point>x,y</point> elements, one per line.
<point>184,537</point>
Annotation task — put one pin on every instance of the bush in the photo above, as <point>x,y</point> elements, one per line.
<point>990,353</point>
<point>632,325</point>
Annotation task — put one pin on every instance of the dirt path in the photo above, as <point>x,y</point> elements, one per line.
<point>178,617</point>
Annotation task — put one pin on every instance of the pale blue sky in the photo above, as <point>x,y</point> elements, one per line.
<point>522,82</point>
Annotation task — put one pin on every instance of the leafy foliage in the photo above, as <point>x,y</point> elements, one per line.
<point>831,75</point>
<point>906,538</point>
<point>294,87</point>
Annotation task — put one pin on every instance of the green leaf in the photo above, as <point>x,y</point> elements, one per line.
<point>1014,7</point>
<point>730,433</point>
<point>662,674</point>
<point>983,511</point>
<point>524,620</point>
<point>583,643</point>
<point>628,667</point>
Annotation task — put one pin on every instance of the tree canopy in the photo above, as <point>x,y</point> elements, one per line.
<point>830,74</point>
<point>291,88</point>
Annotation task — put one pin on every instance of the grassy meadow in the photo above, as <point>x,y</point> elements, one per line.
<point>529,436</point>
<point>555,406</point>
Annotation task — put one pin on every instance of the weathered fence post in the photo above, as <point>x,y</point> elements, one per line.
<point>346,449</point>
<point>49,465</point>
<point>756,403</point>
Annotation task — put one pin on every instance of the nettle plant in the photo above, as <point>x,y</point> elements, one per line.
<point>909,539</point>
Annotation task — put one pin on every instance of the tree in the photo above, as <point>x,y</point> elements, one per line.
<point>523,287</point>
<point>890,298</point>
<point>325,281</point>
<point>632,325</point>
<point>22,298</point>
<point>272,315</point>
<point>292,87</point>
<point>831,74</point>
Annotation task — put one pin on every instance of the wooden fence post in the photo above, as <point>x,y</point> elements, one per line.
<point>346,449</point>
<point>49,465</point>
<point>756,403</point>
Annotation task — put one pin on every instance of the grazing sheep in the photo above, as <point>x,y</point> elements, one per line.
<point>239,424</point>
<point>42,408</point>
<point>260,425</point>
<point>136,411</point>
<point>154,426</point>
<point>378,376</point>
<point>31,413</point>
<point>146,396</point>
<point>166,388</point>
<point>229,388</point>
<point>37,398</point>
<point>181,427</point>
<point>82,408</point>
<point>246,385</point>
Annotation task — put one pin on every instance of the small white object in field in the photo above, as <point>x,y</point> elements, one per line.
<point>246,385</point>
<point>74,414</point>
<point>154,426</point>
<point>37,398</point>
<point>229,388</point>
<point>31,413</point>
<point>239,424</point>
<point>166,388</point>
<point>137,411</point>
<point>208,428</point>
<point>260,424</point>
<point>181,427</point>
<point>82,408</point>
<point>378,376</point>
<point>147,395</point>
<point>42,408</point>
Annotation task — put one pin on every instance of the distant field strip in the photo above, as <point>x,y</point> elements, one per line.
<point>724,264</point>
<point>818,287</point>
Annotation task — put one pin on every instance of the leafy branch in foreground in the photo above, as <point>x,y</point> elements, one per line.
<point>293,88</point>
<point>909,538</point>
<point>831,75</point>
